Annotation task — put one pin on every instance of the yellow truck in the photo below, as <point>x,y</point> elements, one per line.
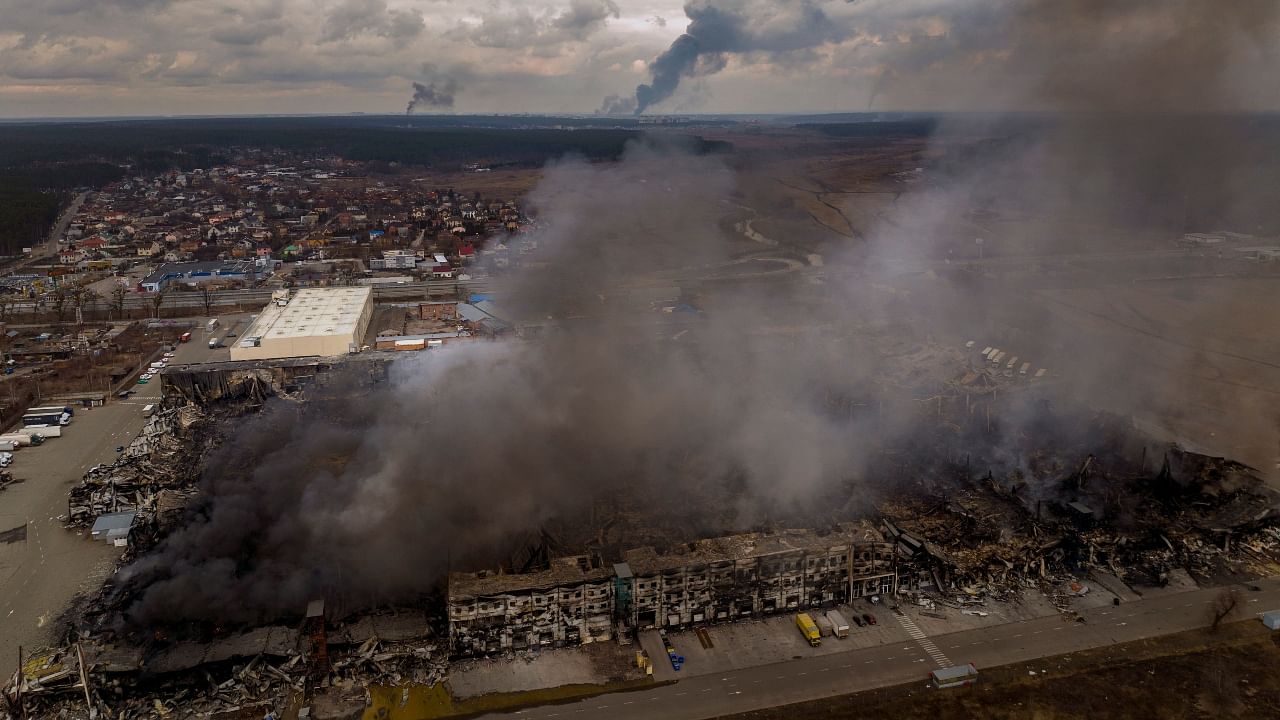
<point>809,629</point>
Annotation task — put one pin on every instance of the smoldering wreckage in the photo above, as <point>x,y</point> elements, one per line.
<point>956,531</point>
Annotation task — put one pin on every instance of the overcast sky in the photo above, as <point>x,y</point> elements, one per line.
<point>145,57</point>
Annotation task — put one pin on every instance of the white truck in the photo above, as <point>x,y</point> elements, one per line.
<point>839,626</point>
<point>18,439</point>
<point>47,431</point>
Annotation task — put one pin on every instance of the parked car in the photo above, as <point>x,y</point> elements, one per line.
<point>143,380</point>
<point>871,619</point>
<point>857,621</point>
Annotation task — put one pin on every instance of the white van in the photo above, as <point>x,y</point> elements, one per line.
<point>148,411</point>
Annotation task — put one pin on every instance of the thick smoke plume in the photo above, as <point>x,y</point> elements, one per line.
<point>717,29</point>
<point>373,496</point>
<point>436,94</point>
<point>1145,55</point>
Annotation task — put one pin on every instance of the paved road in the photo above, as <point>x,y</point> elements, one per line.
<point>40,575</point>
<point>831,675</point>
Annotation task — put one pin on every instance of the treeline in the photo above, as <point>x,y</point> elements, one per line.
<point>158,144</point>
<point>26,215</point>
<point>31,195</point>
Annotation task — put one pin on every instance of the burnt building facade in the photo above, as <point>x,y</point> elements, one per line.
<point>713,580</point>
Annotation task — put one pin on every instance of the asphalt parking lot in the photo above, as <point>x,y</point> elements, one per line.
<point>198,350</point>
<point>48,565</point>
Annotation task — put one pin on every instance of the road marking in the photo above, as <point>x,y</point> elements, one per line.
<point>923,641</point>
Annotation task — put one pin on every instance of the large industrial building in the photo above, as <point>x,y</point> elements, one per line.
<point>316,322</point>
<point>579,600</point>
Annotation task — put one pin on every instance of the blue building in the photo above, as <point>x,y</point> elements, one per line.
<point>192,273</point>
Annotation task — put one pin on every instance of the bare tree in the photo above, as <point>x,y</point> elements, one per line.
<point>116,303</point>
<point>83,296</point>
<point>1224,605</point>
<point>157,300</point>
<point>58,299</point>
<point>206,297</point>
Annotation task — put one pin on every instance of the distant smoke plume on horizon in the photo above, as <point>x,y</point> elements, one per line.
<point>435,94</point>
<point>1142,56</point>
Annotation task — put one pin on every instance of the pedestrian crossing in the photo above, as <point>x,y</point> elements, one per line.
<point>923,640</point>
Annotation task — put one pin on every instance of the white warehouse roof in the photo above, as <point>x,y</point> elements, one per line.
<point>316,321</point>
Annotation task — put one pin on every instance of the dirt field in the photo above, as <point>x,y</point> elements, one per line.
<point>1192,675</point>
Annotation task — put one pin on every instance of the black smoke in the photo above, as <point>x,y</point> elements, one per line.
<point>373,495</point>
<point>718,29</point>
<point>436,94</point>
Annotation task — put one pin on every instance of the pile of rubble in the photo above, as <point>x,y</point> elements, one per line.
<point>261,669</point>
<point>996,537</point>
<point>154,475</point>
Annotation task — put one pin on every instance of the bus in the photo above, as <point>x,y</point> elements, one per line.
<point>955,676</point>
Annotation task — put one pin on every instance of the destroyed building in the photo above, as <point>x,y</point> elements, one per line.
<point>578,600</point>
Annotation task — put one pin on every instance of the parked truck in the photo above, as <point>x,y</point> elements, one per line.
<point>46,431</point>
<point>19,439</point>
<point>809,629</point>
<point>839,626</point>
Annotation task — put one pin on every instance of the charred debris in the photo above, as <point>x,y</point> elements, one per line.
<point>979,511</point>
